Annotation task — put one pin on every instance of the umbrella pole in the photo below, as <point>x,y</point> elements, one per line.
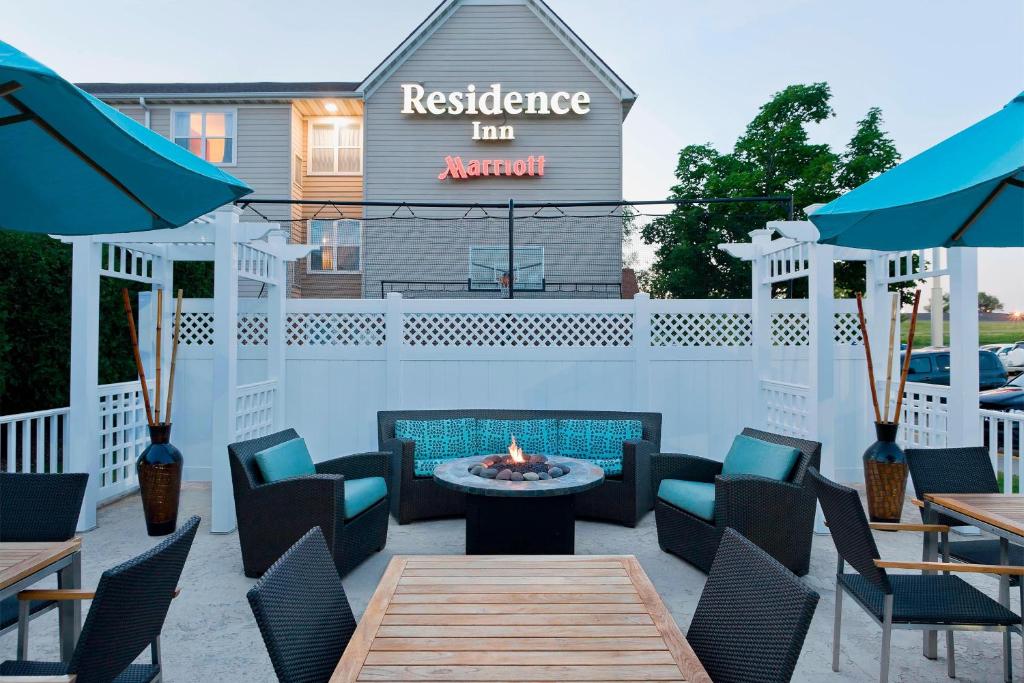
<point>6,90</point>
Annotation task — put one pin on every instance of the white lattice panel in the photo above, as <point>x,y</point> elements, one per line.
<point>123,436</point>
<point>254,411</point>
<point>785,408</point>
<point>787,263</point>
<point>847,329</point>
<point>552,330</point>
<point>924,415</point>
<point>701,329</point>
<point>335,329</point>
<point>790,329</point>
<point>196,329</point>
<point>253,329</point>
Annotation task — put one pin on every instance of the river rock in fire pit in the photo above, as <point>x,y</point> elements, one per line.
<point>504,475</point>
<point>555,472</point>
<point>538,458</point>
<point>544,475</point>
<point>490,460</point>
<point>488,473</point>
<point>476,469</point>
<point>517,476</point>
<point>531,476</point>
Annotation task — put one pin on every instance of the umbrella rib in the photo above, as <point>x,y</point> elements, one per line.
<point>5,92</point>
<point>17,118</point>
<point>984,205</point>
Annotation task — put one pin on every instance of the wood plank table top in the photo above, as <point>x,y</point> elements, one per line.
<point>20,560</point>
<point>517,618</point>
<point>1002,511</point>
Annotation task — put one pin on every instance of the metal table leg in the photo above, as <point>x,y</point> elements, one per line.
<point>70,611</point>
<point>1004,600</point>
<point>931,554</point>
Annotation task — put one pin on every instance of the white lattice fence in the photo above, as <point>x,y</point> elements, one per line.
<point>701,329</point>
<point>123,436</point>
<point>786,408</point>
<point>924,416</point>
<point>1003,436</point>
<point>34,442</point>
<point>790,329</point>
<point>254,413</point>
<point>335,329</point>
<point>552,330</point>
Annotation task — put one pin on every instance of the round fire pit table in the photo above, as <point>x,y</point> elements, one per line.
<point>506,517</point>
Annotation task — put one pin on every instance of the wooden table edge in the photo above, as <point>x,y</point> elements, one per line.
<point>950,501</point>
<point>31,565</point>
<point>359,645</point>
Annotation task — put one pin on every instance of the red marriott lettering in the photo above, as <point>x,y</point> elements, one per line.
<point>475,168</point>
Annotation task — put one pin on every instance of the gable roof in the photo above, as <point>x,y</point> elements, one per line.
<point>543,12</point>
<point>261,89</point>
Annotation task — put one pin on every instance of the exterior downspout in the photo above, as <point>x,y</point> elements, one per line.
<point>145,110</point>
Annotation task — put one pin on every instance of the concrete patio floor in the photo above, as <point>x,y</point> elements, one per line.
<point>210,634</point>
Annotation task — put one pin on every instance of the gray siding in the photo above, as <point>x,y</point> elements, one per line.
<point>484,44</point>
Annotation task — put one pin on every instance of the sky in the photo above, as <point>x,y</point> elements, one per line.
<point>701,68</point>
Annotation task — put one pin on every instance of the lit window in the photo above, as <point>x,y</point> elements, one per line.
<point>339,246</point>
<point>488,267</point>
<point>336,146</point>
<point>209,135</point>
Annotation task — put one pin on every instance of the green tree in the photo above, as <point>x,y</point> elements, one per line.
<point>988,303</point>
<point>774,156</point>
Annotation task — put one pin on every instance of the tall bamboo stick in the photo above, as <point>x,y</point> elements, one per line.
<point>893,322</point>
<point>906,357</point>
<point>867,352</point>
<point>159,355</point>
<point>174,356</point>
<point>138,358</point>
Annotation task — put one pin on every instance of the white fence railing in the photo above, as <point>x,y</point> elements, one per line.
<point>34,442</point>
<point>785,407</point>
<point>1003,435</point>
<point>254,413</point>
<point>924,418</point>
<point>123,435</point>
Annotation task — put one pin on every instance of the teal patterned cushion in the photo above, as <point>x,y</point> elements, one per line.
<point>538,437</point>
<point>437,441</point>
<point>599,441</point>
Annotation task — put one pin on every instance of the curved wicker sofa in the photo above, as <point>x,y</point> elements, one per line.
<point>624,499</point>
<point>776,515</point>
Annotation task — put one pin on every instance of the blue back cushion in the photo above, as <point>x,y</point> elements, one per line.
<point>599,441</point>
<point>753,456</point>
<point>285,461</point>
<point>536,437</point>
<point>437,441</point>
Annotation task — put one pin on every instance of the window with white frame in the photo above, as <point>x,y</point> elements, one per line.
<point>207,133</point>
<point>488,267</point>
<point>339,246</point>
<point>335,146</point>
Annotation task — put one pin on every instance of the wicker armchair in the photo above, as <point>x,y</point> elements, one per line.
<point>303,613</point>
<point>960,470</point>
<point>37,507</point>
<point>272,517</point>
<point>925,602</point>
<point>128,610</point>
<point>776,515</point>
<point>621,499</point>
<point>752,617</point>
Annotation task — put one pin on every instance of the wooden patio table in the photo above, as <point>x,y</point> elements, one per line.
<point>24,564</point>
<point>517,618</point>
<point>997,513</point>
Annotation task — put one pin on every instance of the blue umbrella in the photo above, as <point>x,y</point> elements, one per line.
<point>966,191</point>
<point>71,165</point>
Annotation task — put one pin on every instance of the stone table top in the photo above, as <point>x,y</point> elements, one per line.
<point>582,476</point>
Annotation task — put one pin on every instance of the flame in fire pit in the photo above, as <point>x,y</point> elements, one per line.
<point>515,452</point>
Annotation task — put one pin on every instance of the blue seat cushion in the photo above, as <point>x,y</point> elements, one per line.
<point>437,441</point>
<point>361,494</point>
<point>285,461</point>
<point>696,497</point>
<point>599,441</point>
<point>753,456</point>
<point>536,437</point>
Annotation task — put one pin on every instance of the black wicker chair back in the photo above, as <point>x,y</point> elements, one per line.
<point>951,470</point>
<point>40,507</point>
<point>810,451</point>
<point>850,531</point>
<point>386,419</point>
<point>244,473</point>
<point>752,617</point>
<point>130,607</point>
<point>303,613</point>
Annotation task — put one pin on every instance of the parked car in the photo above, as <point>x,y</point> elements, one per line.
<point>1007,398</point>
<point>931,366</point>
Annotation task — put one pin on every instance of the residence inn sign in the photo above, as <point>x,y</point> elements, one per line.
<point>500,92</point>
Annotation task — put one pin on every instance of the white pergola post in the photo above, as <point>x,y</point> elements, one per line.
<point>276,319</point>
<point>821,364</point>
<point>937,314</point>
<point>84,430</point>
<point>225,363</point>
<point>760,316</point>
<point>964,418</point>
